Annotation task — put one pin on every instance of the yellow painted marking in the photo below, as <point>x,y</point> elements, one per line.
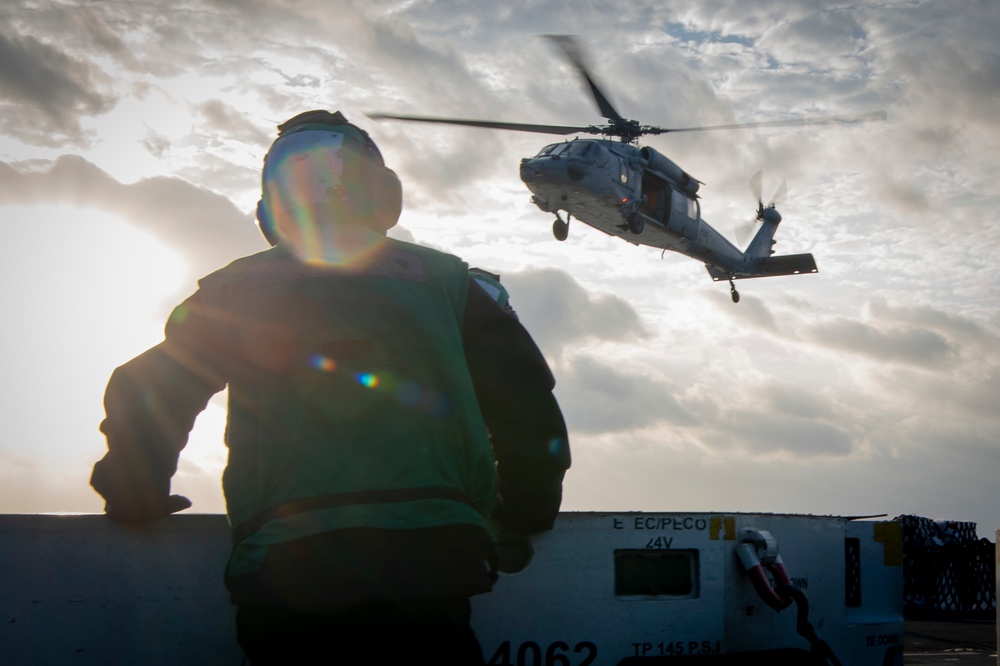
<point>724,524</point>
<point>890,535</point>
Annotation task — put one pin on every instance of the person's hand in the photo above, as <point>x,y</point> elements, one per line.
<point>139,515</point>
<point>514,551</point>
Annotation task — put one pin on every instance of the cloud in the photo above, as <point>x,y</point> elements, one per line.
<point>916,335</point>
<point>222,120</point>
<point>599,398</point>
<point>769,417</point>
<point>44,91</point>
<point>801,437</point>
<point>155,143</point>
<point>753,311</point>
<point>559,311</point>
<point>905,344</point>
<point>205,227</point>
<point>791,400</point>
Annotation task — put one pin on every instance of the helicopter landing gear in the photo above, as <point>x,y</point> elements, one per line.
<point>735,295</point>
<point>560,229</point>
<point>635,223</point>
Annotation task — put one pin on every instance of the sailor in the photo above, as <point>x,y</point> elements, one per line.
<point>363,373</point>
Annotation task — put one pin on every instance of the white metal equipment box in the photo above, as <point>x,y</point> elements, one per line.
<point>678,588</point>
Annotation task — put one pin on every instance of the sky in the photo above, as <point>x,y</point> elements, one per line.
<point>131,141</point>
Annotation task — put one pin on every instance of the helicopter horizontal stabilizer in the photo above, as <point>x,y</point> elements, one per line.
<point>787,264</point>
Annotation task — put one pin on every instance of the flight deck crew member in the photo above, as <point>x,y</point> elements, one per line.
<point>363,373</point>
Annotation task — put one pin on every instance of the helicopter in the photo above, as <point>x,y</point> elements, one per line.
<point>639,194</point>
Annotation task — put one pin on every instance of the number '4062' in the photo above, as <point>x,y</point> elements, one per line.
<point>531,653</point>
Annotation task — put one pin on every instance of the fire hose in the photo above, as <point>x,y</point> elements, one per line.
<point>758,554</point>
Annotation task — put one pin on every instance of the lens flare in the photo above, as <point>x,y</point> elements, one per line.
<point>323,363</point>
<point>368,380</point>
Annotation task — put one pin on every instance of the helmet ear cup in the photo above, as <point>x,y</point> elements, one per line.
<point>266,224</point>
<point>386,194</point>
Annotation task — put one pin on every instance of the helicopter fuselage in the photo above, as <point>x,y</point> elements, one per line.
<point>604,183</point>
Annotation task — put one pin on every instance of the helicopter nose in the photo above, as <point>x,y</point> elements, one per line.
<point>528,172</point>
<point>546,171</point>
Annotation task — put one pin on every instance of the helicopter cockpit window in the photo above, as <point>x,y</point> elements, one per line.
<point>624,172</point>
<point>557,149</point>
<point>579,148</point>
<point>547,149</point>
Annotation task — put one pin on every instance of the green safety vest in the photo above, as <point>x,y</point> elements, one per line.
<point>349,385</point>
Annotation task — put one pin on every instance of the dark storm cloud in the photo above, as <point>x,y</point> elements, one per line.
<point>206,228</point>
<point>559,311</point>
<point>598,398</point>
<point>44,91</point>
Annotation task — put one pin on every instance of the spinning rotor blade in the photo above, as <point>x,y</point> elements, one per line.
<point>574,53</point>
<point>754,184</point>
<point>746,230</point>
<point>490,124</point>
<point>799,122</point>
<point>780,194</point>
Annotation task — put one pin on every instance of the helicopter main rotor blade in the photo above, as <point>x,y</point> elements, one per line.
<point>755,186</point>
<point>490,124</point>
<point>798,122</point>
<point>574,53</point>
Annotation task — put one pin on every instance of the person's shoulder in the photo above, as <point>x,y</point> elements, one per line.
<point>246,265</point>
<point>419,249</point>
<point>429,254</point>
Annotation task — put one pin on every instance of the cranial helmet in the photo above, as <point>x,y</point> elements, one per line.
<point>322,170</point>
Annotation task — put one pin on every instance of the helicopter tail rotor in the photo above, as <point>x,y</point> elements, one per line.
<point>746,231</point>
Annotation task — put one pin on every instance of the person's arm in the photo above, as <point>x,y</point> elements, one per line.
<point>151,404</point>
<point>514,387</point>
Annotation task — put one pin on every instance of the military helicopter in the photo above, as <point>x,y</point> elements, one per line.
<point>638,194</point>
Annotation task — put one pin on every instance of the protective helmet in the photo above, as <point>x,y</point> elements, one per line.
<point>322,170</point>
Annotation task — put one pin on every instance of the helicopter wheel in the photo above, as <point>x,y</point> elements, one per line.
<point>735,295</point>
<point>560,229</point>
<point>635,223</point>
